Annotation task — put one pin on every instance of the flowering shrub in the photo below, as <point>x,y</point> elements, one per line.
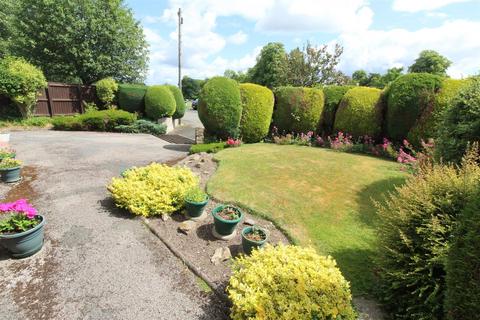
<point>8,163</point>
<point>341,142</point>
<point>23,216</point>
<point>288,282</point>
<point>6,152</point>
<point>232,143</point>
<point>152,190</point>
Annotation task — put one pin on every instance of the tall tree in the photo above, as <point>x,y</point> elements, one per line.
<point>360,77</point>
<point>270,69</point>
<point>313,65</point>
<point>191,87</point>
<point>88,40</point>
<point>430,61</point>
<point>238,76</point>
<point>7,30</point>
<point>376,80</point>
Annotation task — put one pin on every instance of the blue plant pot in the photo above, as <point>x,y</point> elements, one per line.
<point>11,174</point>
<point>24,244</point>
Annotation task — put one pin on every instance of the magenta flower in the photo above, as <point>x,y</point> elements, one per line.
<point>20,206</point>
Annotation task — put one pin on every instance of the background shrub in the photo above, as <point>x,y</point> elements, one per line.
<point>106,90</point>
<point>152,190</point>
<point>212,147</point>
<point>143,126</point>
<point>104,120</point>
<point>21,81</point>
<point>429,123</point>
<point>333,96</point>
<point>359,112</point>
<point>297,109</point>
<point>180,106</point>
<point>408,97</point>
<point>257,109</point>
<point>220,107</point>
<point>415,230</point>
<point>131,97</point>
<point>461,123</point>
<point>67,123</point>
<point>463,266</point>
<point>288,282</point>
<point>159,102</point>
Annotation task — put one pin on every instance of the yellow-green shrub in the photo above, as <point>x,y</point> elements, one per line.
<point>257,102</point>
<point>152,190</point>
<point>288,282</point>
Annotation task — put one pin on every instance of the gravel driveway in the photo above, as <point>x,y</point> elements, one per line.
<point>97,262</point>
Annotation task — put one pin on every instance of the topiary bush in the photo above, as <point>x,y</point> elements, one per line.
<point>463,266</point>
<point>333,96</point>
<point>104,120</point>
<point>106,90</point>
<point>429,123</point>
<point>461,123</point>
<point>220,107</point>
<point>288,282</point>
<point>21,82</point>
<point>152,190</point>
<point>359,112</point>
<point>159,102</point>
<point>180,106</point>
<point>408,98</point>
<point>257,108</point>
<point>131,97</point>
<point>67,123</point>
<point>416,225</point>
<point>297,109</point>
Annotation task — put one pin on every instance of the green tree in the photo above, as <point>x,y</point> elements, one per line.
<point>271,67</point>
<point>87,40</point>
<point>391,75</point>
<point>191,87</point>
<point>7,30</point>
<point>430,61</point>
<point>360,77</point>
<point>239,76</point>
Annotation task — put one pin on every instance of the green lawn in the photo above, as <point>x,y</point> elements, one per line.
<point>321,197</point>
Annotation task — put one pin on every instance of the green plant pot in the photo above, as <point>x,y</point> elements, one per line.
<point>24,244</point>
<point>195,209</point>
<point>248,245</point>
<point>11,174</point>
<point>225,227</point>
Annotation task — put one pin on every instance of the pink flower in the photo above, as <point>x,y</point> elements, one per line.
<point>20,206</point>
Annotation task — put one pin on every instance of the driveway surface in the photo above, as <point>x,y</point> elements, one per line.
<point>97,262</point>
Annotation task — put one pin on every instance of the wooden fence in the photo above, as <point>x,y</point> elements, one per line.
<point>64,99</point>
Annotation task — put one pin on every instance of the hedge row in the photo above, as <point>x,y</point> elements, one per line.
<point>104,120</point>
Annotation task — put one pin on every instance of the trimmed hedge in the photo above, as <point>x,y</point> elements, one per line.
<point>220,107</point>
<point>359,112</point>
<point>180,106</point>
<point>159,102</point>
<point>333,96</point>
<point>131,97</point>
<point>297,109</point>
<point>463,266</point>
<point>408,97</point>
<point>257,108</point>
<point>104,120</point>
<point>429,123</point>
<point>461,123</point>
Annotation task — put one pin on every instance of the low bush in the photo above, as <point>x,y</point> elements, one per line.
<point>463,266</point>
<point>180,106</point>
<point>220,107</point>
<point>159,102</point>
<point>416,225</point>
<point>143,126</point>
<point>106,90</point>
<point>104,120</point>
<point>333,96</point>
<point>359,112</point>
<point>257,109</point>
<point>297,109</point>
<point>461,123</point>
<point>21,82</point>
<point>207,147</point>
<point>152,190</point>
<point>131,97</point>
<point>67,123</point>
<point>409,96</point>
<point>288,282</point>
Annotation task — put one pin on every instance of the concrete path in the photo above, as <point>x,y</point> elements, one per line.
<point>190,121</point>
<point>97,262</point>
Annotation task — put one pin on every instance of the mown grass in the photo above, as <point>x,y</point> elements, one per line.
<point>320,197</point>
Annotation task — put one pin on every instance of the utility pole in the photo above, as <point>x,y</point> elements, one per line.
<point>180,22</point>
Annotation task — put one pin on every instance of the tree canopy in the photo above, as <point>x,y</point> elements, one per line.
<point>430,61</point>
<point>271,67</point>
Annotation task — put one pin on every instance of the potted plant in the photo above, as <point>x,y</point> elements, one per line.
<point>226,218</point>
<point>21,232</point>
<point>195,202</point>
<point>253,238</point>
<point>7,153</point>
<point>10,169</point>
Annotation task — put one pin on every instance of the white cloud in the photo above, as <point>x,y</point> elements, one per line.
<point>422,5</point>
<point>238,38</point>
<point>376,50</point>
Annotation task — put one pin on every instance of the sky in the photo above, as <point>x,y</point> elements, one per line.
<point>376,34</point>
